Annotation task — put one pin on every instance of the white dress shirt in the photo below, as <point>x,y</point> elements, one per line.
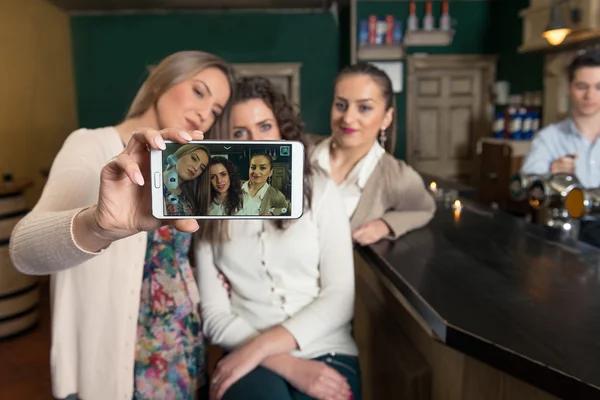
<point>351,188</point>
<point>301,278</point>
<point>252,203</point>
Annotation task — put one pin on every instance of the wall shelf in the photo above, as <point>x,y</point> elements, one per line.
<point>380,52</point>
<point>428,38</point>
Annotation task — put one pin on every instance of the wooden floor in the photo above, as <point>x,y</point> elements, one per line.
<point>25,360</point>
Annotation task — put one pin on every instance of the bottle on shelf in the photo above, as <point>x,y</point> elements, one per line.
<point>428,21</point>
<point>389,29</point>
<point>372,29</point>
<point>412,23</point>
<point>445,21</point>
<point>363,33</point>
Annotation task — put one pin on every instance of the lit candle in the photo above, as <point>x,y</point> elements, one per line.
<point>457,205</point>
<point>433,187</point>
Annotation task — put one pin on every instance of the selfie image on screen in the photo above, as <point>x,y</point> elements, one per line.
<point>227,179</point>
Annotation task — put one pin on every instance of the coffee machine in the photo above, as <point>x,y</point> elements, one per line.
<point>560,197</point>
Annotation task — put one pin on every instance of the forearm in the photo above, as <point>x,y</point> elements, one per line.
<point>281,364</point>
<point>42,243</point>
<point>86,232</point>
<point>275,341</point>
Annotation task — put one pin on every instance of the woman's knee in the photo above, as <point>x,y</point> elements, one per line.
<point>260,384</point>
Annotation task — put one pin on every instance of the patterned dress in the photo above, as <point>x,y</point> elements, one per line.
<point>182,207</point>
<point>170,353</point>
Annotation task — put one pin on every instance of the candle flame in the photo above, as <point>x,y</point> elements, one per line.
<point>457,204</point>
<point>432,186</point>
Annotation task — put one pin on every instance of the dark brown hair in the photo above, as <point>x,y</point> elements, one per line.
<point>587,59</point>
<point>234,202</point>
<point>387,91</point>
<point>290,127</point>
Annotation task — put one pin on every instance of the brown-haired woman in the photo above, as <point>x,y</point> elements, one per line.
<point>286,324</point>
<point>226,188</point>
<point>124,302</point>
<point>383,196</point>
<point>260,198</point>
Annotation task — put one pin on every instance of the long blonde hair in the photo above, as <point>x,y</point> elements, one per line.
<point>197,191</point>
<point>172,70</point>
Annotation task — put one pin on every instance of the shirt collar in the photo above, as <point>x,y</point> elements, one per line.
<point>261,193</point>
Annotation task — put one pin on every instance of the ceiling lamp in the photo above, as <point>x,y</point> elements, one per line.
<point>557,30</point>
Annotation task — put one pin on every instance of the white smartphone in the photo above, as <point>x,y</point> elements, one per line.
<point>223,179</point>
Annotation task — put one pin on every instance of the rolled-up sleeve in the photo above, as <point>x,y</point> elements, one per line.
<point>220,324</point>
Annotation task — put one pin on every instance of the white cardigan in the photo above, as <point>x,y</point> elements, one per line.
<point>301,278</point>
<point>94,297</point>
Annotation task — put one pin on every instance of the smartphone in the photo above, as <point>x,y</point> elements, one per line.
<point>228,179</point>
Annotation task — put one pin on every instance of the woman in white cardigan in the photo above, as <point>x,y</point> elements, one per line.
<point>122,288</point>
<point>286,324</point>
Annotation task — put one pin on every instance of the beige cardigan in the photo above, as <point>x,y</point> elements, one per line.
<point>394,192</point>
<point>94,297</point>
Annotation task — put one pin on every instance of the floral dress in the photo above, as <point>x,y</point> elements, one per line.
<point>170,353</point>
<point>182,207</point>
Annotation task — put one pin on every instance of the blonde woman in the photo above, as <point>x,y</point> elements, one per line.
<point>125,312</point>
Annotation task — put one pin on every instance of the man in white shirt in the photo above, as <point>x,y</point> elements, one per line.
<point>571,146</point>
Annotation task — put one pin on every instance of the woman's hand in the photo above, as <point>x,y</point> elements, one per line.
<point>233,367</point>
<point>318,380</point>
<point>226,284</point>
<point>371,232</point>
<point>124,205</point>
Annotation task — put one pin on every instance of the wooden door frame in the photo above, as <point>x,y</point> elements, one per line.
<point>416,63</point>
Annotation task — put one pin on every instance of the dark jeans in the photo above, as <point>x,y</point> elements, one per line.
<point>589,232</point>
<point>263,384</point>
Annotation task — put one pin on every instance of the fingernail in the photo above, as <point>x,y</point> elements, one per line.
<point>199,133</point>
<point>185,135</point>
<point>139,178</point>
<point>196,230</point>
<point>160,142</point>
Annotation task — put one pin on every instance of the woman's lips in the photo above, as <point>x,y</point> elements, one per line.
<point>255,176</point>
<point>348,131</point>
<point>220,187</point>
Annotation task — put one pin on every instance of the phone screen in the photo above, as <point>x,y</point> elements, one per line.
<point>228,180</point>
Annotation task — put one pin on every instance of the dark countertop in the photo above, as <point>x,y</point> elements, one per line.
<point>496,288</point>
<point>463,190</point>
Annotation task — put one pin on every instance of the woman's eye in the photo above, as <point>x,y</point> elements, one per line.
<point>239,133</point>
<point>364,108</point>
<point>198,92</point>
<point>265,127</point>
<point>340,106</point>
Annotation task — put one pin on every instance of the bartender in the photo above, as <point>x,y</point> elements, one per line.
<point>571,146</point>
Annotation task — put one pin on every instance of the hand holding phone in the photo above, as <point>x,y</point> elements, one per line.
<point>228,180</point>
<point>124,202</point>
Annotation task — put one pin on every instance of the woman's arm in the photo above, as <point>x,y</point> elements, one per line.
<point>43,241</point>
<point>413,205</point>
<point>221,326</point>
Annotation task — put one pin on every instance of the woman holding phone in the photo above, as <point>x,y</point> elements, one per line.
<point>286,324</point>
<point>125,313</point>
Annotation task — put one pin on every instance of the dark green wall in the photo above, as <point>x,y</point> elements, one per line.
<point>111,54</point>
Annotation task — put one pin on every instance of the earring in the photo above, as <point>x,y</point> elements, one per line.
<point>382,137</point>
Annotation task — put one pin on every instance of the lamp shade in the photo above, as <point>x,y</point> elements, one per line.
<point>557,29</point>
<point>556,36</point>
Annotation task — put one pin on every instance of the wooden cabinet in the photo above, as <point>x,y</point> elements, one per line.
<point>537,17</point>
<point>498,160</point>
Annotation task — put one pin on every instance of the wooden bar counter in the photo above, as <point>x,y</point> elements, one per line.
<point>478,305</point>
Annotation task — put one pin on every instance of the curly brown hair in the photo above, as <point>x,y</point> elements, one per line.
<point>234,200</point>
<point>291,128</point>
